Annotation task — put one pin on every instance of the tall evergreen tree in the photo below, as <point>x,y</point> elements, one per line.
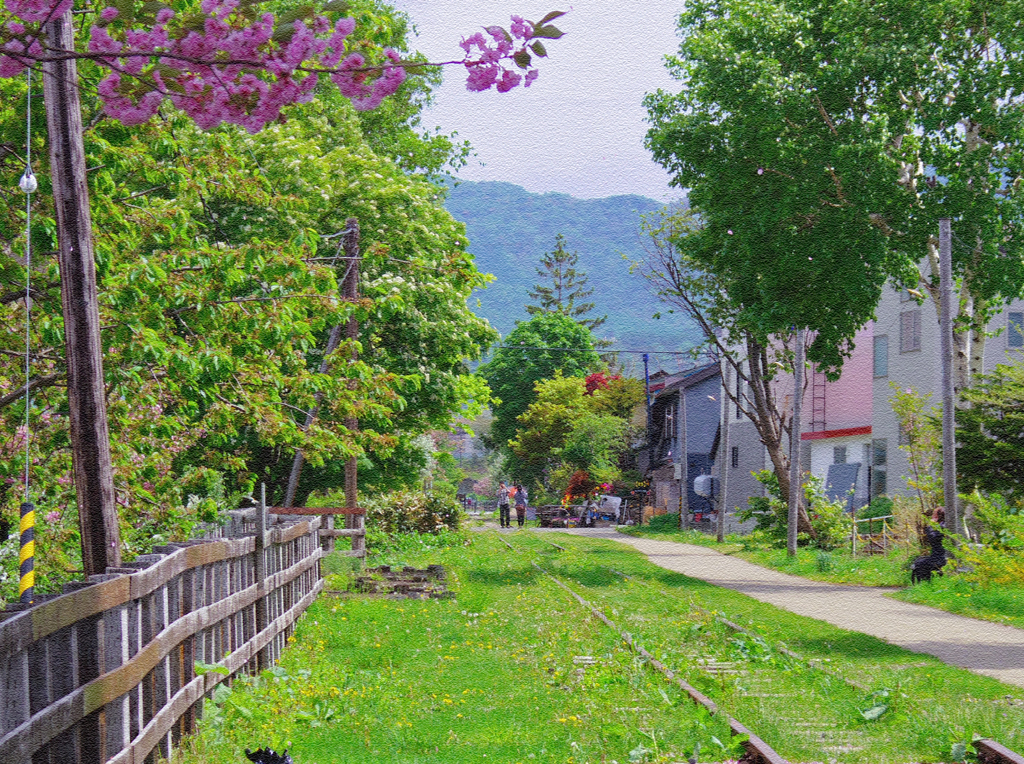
<point>568,287</point>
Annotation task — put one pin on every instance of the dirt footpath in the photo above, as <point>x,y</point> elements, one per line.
<point>985,648</point>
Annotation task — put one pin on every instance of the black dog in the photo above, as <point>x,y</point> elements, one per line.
<point>923,567</point>
<point>267,756</point>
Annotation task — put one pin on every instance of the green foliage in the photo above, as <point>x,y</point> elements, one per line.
<point>521,362</point>
<point>403,512</point>
<point>567,431</point>
<point>881,506</point>
<point>990,433</point>
<point>921,430</point>
<point>999,559</point>
<point>821,143</point>
<point>829,521</point>
<point>219,281</point>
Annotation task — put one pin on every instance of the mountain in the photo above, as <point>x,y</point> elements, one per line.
<point>509,229</point>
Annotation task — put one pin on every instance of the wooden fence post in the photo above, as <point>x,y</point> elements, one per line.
<point>265,659</point>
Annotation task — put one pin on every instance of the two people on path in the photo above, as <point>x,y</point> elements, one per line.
<point>505,496</point>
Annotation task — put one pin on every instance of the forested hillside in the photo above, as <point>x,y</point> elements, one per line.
<point>510,228</point>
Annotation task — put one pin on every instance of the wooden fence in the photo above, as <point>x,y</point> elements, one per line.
<point>106,671</point>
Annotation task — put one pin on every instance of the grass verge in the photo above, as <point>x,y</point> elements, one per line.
<point>510,671</point>
<point>950,593</point>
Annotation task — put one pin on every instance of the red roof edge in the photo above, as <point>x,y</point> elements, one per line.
<point>823,434</point>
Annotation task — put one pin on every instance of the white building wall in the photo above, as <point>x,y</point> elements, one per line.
<point>917,367</point>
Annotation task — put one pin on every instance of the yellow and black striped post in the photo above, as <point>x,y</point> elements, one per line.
<point>26,557</point>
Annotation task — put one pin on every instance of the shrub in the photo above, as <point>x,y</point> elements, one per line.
<point>881,506</point>
<point>830,523</point>
<point>409,511</point>
<point>999,560</point>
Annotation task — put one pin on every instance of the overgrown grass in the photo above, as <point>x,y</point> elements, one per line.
<point>514,671</point>
<point>510,671</point>
<point>924,708</point>
<point>953,593</point>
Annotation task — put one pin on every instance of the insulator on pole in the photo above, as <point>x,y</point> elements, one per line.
<point>27,553</point>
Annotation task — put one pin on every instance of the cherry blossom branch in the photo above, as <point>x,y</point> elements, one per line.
<point>229,63</point>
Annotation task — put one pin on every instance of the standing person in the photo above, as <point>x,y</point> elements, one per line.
<point>520,505</point>
<point>504,518</point>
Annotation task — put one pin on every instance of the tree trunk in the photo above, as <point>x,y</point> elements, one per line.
<point>90,436</point>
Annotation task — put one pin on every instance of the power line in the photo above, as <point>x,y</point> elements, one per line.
<point>600,351</point>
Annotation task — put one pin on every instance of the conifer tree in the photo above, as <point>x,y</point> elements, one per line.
<point>568,287</point>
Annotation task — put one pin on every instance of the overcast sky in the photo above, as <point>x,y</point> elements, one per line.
<point>579,128</point>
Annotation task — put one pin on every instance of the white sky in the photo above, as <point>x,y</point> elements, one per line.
<point>579,128</point>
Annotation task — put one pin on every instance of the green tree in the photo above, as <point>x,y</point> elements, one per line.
<point>568,287</point>
<point>990,434</point>
<point>536,349</point>
<point>751,362</point>
<point>218,285</point>
<point>566,430</point>
<point>822,142</point>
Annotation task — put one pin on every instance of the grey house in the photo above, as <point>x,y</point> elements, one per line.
<point>661,457</point>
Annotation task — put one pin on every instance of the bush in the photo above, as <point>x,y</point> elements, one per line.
<point>408,511</point>
<point>881,506</point>
<point>829,521</point>
<point>999,561</point>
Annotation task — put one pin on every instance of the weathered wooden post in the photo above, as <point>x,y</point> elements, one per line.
<point>264,659</point>
<point>90,437</point>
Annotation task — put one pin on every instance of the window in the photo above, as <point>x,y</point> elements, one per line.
<point>839,454</point>
<point>735,456</point>
<point>910,330</point>
<point>881,361</point>
<point>739,394</point>
<point>879,452</point>
<point>877,473</point>
<point>1015,330</point>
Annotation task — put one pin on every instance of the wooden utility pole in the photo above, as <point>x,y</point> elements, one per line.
<point>350,292</point>
<point>946,298</point>
<point>90,435</point>
<point>794,446</point>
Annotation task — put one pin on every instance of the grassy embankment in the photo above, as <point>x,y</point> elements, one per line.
<point>952,593</point>
<point>504,674</point>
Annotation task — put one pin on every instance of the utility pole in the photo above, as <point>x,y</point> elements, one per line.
<point>684,463</point>
<point>946,298</point>
<point>90,434</point>
<point>350,292</point>
<point>726,456</point>
<point>794,446</point>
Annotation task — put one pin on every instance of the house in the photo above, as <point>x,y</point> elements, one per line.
<point>850,421</point>
<point>660,459</point>
<point>905,354</point>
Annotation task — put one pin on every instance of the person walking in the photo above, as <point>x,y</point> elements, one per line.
<point>504,517</point>
<point>520,505</point>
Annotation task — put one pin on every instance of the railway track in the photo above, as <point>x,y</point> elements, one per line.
<point>757,751</point>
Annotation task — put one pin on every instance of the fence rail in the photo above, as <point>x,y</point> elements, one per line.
<point>106,671</point>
